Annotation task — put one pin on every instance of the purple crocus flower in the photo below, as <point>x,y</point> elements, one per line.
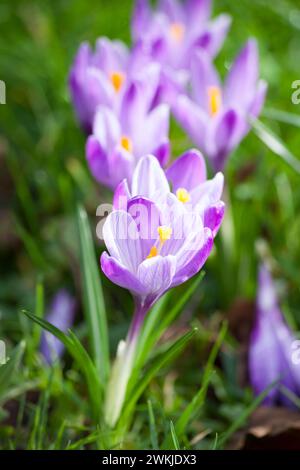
<point>174,29</point>
<point>101,77</point>
<point>97,78</point>
<point>216,117</point>
<point>119,140</point>
<point>271,346</point>
<point>187,177</point>
<point>154,246</point>
<point>171,238</point>
<point>61,314</point>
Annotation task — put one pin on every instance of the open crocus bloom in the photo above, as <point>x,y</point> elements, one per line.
<point>216,117</point>
<point>187,176</point>
<point>151,251</point>
<point>154,246</point>
<point>272,346</point>
<point>119,140</point>
<point>172,31</point>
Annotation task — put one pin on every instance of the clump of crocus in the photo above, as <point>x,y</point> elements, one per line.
<point>217,117</point>
<point>120,139</point>
<point>153,246</point>
<point>61,314</point>
<point>271,347</point>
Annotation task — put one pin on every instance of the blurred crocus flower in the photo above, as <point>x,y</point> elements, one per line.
<point>61,314</point>
<point>216,117</point>
<point>119,140</point>
<point>100,77</point>
<point>172,31</point>
<point>271,346</point>
<point>97,78</point>
<point>186,177</point>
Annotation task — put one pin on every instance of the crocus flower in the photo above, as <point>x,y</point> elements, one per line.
<point>119,140</point>
<point>271,346</point>
<point>216,117</point>
<point>100,77</point>
<point>151,248</point>
<point>174,29</point>
<point>187,178</point>
<point>97,78</point>
<point>61,314</point>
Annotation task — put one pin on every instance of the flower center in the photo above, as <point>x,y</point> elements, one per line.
<point>177,31</point>
<point>215,99</point>
<point>183,195</point>
<point>165,234</point>
<point>117,80</point>
<point>126,143</point>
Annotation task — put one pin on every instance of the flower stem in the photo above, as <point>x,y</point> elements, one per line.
<point>122,368</point>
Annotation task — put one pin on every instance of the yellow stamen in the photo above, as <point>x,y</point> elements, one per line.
<point>117,80</point>
<point>126,143</point>
<point>177,31</point>
<point>164,233</point>
<point>215,99</point>
<point>183,195</point>
<point>153,252</point>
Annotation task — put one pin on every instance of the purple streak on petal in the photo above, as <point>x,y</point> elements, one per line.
<point>120,275</point>
<point>61,314</point>
<point>198,260</point>
<point>121,237</point>
<point>157,273</point>
<point>121,196</point>
<point>242,79</point>
<point>187,171</point>
<point>213,217</point>
<point>146,215</point>
<point>149,179</point>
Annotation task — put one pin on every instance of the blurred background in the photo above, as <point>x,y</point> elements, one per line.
<point>44,176</point>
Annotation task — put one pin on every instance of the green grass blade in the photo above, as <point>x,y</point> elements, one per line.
<point>275,144</point>
<point>174,436</point>
<point>152,427</point>
<point>93,297</point>
<point>282,116</point>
